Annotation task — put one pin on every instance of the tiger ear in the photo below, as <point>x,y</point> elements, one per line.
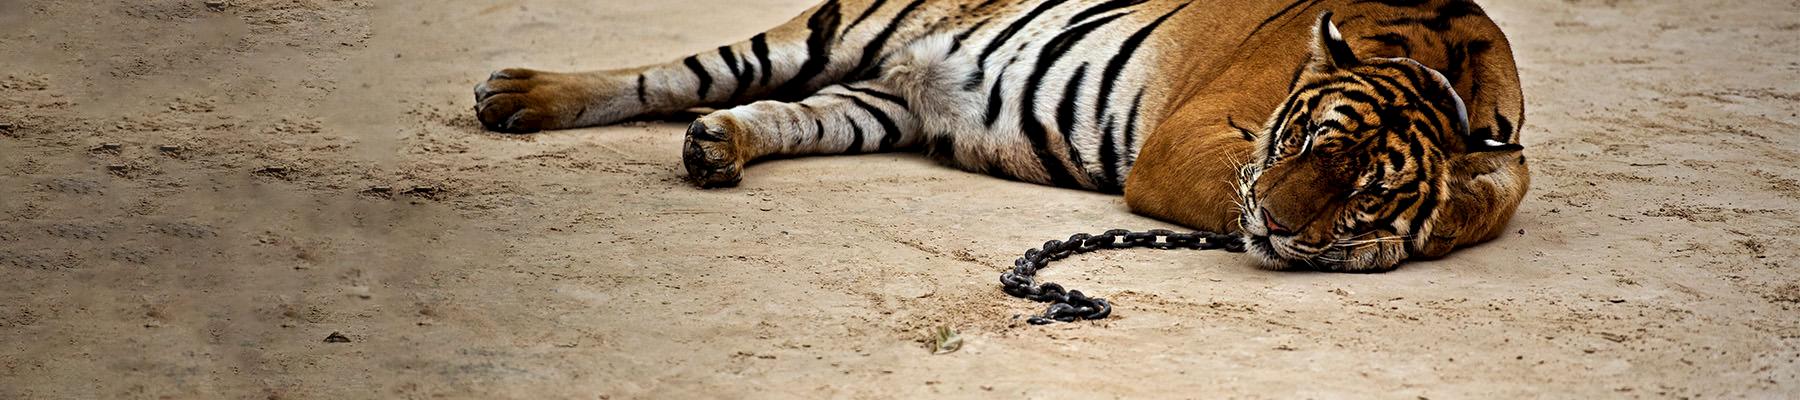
<point>1487,156</point>
<point>1461,124</point>
<point>1329,48</point>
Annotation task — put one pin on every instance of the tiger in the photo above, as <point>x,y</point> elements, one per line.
<point>1335,135</point>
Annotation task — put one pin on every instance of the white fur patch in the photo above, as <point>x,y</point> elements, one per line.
<point>930,76</point>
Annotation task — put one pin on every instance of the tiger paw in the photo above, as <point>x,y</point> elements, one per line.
<point>519,100</point>
<point>713,151</point>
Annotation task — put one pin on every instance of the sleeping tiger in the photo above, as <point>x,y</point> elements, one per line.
<point>1347,143</point>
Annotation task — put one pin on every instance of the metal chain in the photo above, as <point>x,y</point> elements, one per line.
<point>1072,305</point>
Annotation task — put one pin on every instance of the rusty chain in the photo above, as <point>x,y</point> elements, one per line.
<point>1072,305</point>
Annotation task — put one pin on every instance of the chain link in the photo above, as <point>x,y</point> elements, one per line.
<point>1072,305</point>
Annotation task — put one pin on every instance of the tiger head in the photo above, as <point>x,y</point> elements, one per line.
<point>1365,164</point>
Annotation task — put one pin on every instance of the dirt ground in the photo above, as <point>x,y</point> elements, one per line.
<point>1654,257</point>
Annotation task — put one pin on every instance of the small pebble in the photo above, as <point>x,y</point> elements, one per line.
<point>118,167</point>
<point>169,148</point>
<point>215,5</point>
<point>110,146</point>
<point>381,189</point>
<point>5,126</point>
<point>336,337</point>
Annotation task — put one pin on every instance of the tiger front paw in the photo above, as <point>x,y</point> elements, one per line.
<point>517,100</point>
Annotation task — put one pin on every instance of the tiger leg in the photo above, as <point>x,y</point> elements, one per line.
<point>832,42</point>
<point>856,118</point>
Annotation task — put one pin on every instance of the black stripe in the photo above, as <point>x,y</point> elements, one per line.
<point>1109,152</point>
<point>865,15</point>
<point>1357,96</point>
<point>1441,18</point>
<point>1405,91</point>
<point>890,133</point>
<point>1102,8</point>
<point>1462,60</point>
<point>1393,39</point>
<point>1061,173</point>
<point>1360,96</point>
<point>1299,68</point>
<point>740,74</point>
<point>1454,56</point>
<point>873,49</point>
<point>1245,133</point>
<point>1429,132</point>
<point>642,99</point>
<point>901,101</point>
<point>1426,208</point>
<point>823,25</point>
<point>957,41</point>
<point>759,47</point>
<point>818,135</point>
<point>706,80</point>
<point>1065,110</point>
<point>1350,112</point>
<point>995,97</point>
<point>1131,124</point>
<point>1382,90</point>
<point>1414,78</point>
<point>856,137</point>
<point>1272,18</point>
<point>1013,29</point>
<point>1110,77</point>
<point>745,80</point>
<point>1007,34</point>
<point>731,60</point>
<point>1419,81</point>
<point>1386,157</point>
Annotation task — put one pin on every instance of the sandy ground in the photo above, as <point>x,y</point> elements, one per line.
<point>1654,257</point>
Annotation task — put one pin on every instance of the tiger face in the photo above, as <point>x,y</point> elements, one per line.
<point>1356,167</point>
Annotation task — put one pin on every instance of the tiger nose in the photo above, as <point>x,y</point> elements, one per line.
<point>1275,228</point>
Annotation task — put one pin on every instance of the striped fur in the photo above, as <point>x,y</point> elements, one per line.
<point>1075,93</point>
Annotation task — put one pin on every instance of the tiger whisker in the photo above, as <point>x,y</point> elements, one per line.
<point>1360,243</point>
